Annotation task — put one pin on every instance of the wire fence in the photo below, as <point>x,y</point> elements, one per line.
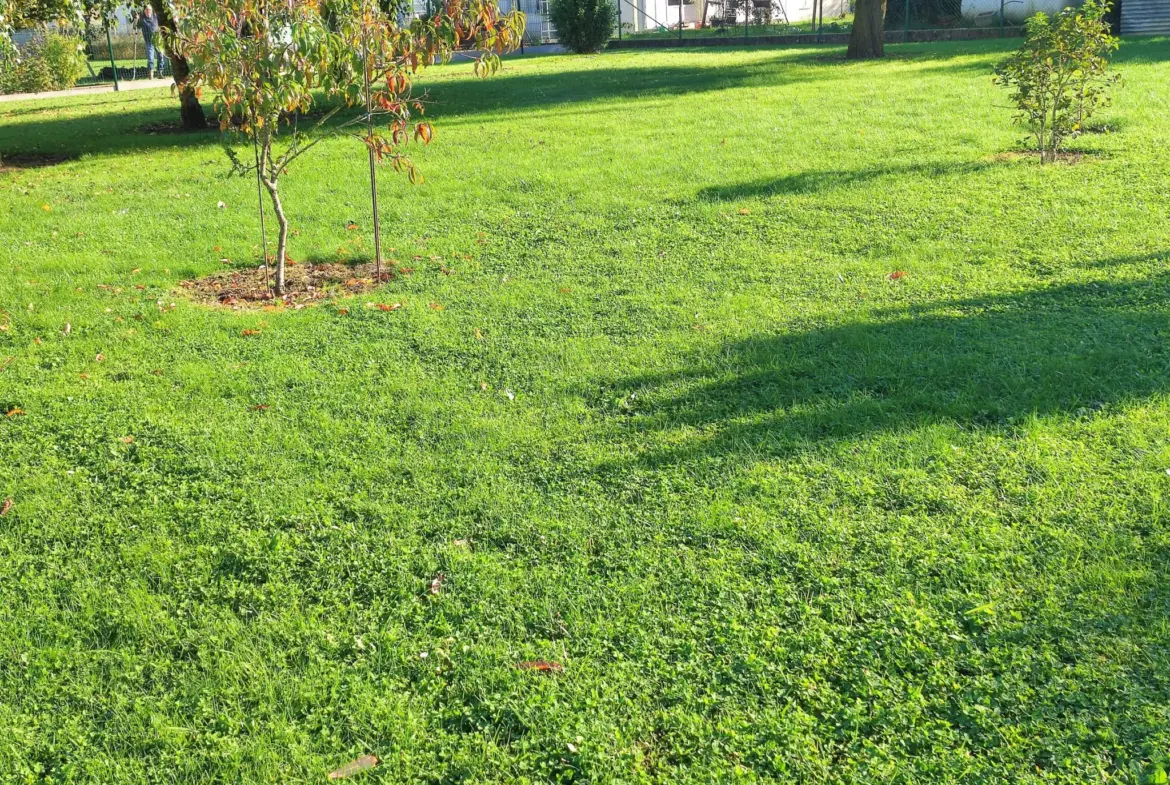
<point>120,52</point>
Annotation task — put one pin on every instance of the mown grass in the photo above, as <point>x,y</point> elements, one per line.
<point>780,517</point>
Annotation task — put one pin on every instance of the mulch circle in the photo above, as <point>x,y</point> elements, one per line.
<point>305,284</point>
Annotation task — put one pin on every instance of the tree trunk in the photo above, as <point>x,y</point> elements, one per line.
<point>190,112</point>
<point>282,240</point>
<point>867,41</point>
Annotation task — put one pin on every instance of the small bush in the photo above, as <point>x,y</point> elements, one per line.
<point>1059,76</point>
<point>49,62</point>
<point>583,26</point>
<point>65,59</point>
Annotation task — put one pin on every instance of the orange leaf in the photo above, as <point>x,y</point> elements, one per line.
<point>435,307</point>
<point>351,226</point>
<point>99,357</point>
<point>896,275</point>
<point>354,767</point>
<point>343,311</point>
<point>5,507</point>
<point>126,439</point>
<point>744,211</point>
<point>15,411</point>
<point>390,307</point>
<point>259,407</point>
<point>248,333</point>
<point>541,666</point>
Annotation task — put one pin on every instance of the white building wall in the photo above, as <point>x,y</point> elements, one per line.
<point>987,11</point>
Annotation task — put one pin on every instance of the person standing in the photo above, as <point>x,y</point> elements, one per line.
<point>148,24</point>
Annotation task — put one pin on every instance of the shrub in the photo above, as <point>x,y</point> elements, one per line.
<point>64,58</point>
<point>583,26</point>
<point>49,62</point>
<point>1059,76</point>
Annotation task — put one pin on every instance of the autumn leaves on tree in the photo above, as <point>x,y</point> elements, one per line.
<point>264,59</point>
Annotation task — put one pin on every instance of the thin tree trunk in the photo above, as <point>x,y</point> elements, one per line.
<point>867,40</point>
<point>190,112</point>
<point>282,240</point>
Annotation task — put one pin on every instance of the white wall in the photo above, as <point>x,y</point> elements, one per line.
<point>801,10</point>
<point>987,11</point>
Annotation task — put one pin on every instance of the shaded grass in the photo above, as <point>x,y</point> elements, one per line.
<point>781,517</point>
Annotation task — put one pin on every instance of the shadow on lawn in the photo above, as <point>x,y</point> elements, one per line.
<point>823,180</point>
<point>111,131</point>
<point>981,362</point>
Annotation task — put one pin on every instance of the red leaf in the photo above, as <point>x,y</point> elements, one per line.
<point>541,666</point>
<point>354,767</point>
<point>896,275</point>
<point>250,333</point>
<point>390,307</point>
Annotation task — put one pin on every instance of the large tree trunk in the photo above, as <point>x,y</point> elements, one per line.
<point>190,112</point>
<point>867,41</point>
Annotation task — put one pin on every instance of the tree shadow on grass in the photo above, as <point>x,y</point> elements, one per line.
<point>115,128</point>
<point>814,181</point>
<point>975,363</point>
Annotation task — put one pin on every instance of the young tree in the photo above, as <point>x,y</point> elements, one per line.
<point>262,58</point>
<point>868,36</point>
<point>385,56</point>
<point>1059,76</point>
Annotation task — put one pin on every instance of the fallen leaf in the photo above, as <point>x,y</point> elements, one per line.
<point>126,439</point>
<point>437,584</point>
<point>484,386</point>
<point>259,407</point>
<point>249,333</point>
<point>565,290</point>
<point>385,307</point>
<point>744,211</point>
<point>343,311</point>
<point>405,270</point>
<point>136,271</point>
<point>38,340</point>
<point>15,411</point>
<point>478,334</point>
<point>46,208</point>
<point>896,275</point>
<point>351,226</point>
<point>459,543</point>
<point>4,508</point>
<point>541,666</point>
<point>99,357</point>
<point>354,767</point>
<point>85,376</point>
<point>511,395</point>
<point>220,205</point>
<point>435,307</point>
<point>68,328</point>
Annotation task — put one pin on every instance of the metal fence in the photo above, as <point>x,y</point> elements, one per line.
<point>654,23</point>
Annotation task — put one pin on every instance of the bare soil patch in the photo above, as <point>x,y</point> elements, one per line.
<point>305,284</point>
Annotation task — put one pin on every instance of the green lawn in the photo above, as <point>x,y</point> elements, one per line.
<point>780,517</point>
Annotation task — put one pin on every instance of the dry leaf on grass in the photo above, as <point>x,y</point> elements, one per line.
<point>4,508</point>
<point>15,411</point>
<point>354,767</point>
<point>437,584</point>
<point>541,666</point>
<point>250,333</point>
<point>126,439</point>
<point>894,276</point>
